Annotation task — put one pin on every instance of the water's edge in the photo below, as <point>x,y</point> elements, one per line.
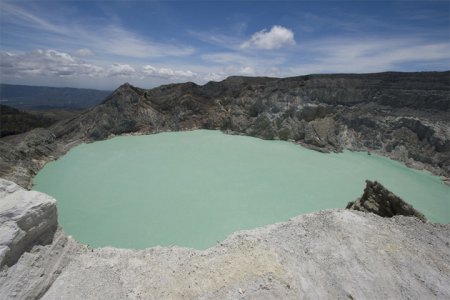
<point>278,191</point>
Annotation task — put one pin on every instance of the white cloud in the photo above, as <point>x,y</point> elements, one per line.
<point>100,38</point>
<point>217,39</point>
<point>247,71</point>
<point>359,55</point>
<point>56,68</point>
<point>45,63</point>
<point>276,38</point>
<point>150,70</point>
<point>23,17</point>
<point>248,64</point>
<point>213,76</point>
<point>241,70</point>
<point>118,41</point>
<point>168,72</point>
<point>226,58</point>
<point>244,59</point>
<point>372,55</point>
<point>122,70</point>
<point>84,52</point>
<point>54,64</point>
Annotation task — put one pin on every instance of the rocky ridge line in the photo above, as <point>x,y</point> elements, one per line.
<point>405,116</point>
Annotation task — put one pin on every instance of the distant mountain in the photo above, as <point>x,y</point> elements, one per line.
<point>15,121</point>
<point>45,98</point>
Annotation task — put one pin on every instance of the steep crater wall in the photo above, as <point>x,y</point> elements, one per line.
<point>404,116</point>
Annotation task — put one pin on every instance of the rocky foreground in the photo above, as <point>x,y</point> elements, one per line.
<point>405,116</point>
<point>335,254</point>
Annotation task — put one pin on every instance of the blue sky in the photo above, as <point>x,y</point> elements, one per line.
<point>101,44</point>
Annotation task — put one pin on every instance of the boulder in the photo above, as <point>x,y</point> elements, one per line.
<point>27,218</point>
<point>379,200</point>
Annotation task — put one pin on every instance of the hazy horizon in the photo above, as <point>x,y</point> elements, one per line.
<point>102,44</point>
<point>281,77</point>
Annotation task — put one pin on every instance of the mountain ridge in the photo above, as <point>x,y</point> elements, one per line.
<point>404,116</point>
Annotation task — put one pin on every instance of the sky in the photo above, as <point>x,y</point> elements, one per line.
<point>102,44</point>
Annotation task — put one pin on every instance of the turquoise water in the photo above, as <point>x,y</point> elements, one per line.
<point>195,188</point>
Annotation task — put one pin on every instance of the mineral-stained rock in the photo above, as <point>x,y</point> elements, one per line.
<point>379,200</point>
<point>27,218</point>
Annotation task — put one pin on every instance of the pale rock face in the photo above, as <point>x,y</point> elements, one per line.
<point>27,218</point>
<point>335,254</point>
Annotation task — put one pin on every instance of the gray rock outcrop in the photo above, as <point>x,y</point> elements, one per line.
<point>334,254</point>
<point>27,219</point>
<point>404,116</point>
<point>379,200</point>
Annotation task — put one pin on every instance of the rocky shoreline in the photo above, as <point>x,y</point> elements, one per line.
<point>403,116</point>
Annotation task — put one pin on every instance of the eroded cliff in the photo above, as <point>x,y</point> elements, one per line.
<point>401,115</point>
